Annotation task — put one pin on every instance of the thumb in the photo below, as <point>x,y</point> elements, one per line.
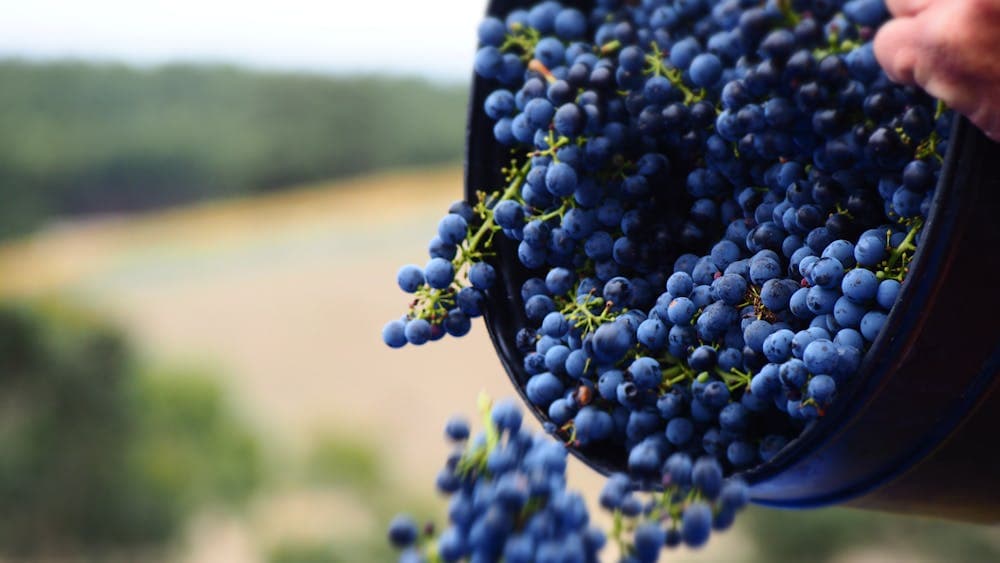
<point>896,47</point>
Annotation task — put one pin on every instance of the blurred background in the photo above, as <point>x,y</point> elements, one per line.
<point>202,210</point>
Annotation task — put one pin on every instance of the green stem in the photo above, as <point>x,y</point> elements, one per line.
<point>610,47</point>
<point>488,223</point>
<point>523,39</point>
<point>616,533</point>
<point>658,67</point>
<point>928,147</point>
<point>734,378</point>
<point>792,18</point>
<point>431,551</point>
<point>557,212</point>
<point>898,257</point>
<point>581,315</point>
<point>939,109</point>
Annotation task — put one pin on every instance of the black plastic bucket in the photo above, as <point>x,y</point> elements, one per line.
<point>917,433</point>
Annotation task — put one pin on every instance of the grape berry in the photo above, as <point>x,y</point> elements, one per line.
<point>717,203</point>
<point>509,500</point>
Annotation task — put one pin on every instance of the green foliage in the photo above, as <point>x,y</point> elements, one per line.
<point>823,535</point>
<point>188,445</point>
<point>341,460</point>
<point>96,458</point>
<point>302,552</point>
<point>352,465</point>
<point>81,138</point>
<point>374,548</point>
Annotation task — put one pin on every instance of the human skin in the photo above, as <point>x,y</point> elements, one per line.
<point>951,49</point>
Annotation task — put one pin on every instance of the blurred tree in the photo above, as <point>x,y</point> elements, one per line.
<point>339,459</point>
<point>823,535</point>
<point>81,138</point>
<point>96,458</point>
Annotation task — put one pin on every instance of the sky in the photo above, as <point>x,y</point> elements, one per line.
<point>432,38</point>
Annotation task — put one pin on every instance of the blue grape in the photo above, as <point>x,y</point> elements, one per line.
<point>707,476</point>
<point>706,70</point>
<point>592,425</point>
<point>696,524</point>
<point>470,301</point>
<point>741,454</point>
<point>550,52</point>
<point>776,294</point>
<point>822,388</point>
<point>570,24</point>
<point>681,311</point>
<point>499,104</point>
<point>543,388</point>
<point>716,394</point>
<point>871,324</point>
<point>438,248</point>
<point>569,119</point>
<point>560,179</point>
<point>860,285</point>
<point>652,333</point>
<point>410,278</point>
<point>488,62</point>
<point>417,331</point>
<point>820,356</point>
<point>678,468</point>
<point>827,273</point>
<point>820,300</point>
<point>645,373</point>
<point>740,342</point>
<point>777,346</point>
<point>679,431</point>
<point>394,334</point>
<point>702,358</point>
<point>756,333</point>
<point>508,214</point>
<point>452,229</point>
<point>482,275</point>
<point>793,373</point>
<point>730,288</point>
<point>865,12</point>
<point>764,269</point>
<point>649,539</point>
<point>456,323</point>
<point>608,384</point>
<point>402,531</point>
<point>847,312</point>
<point>887,293</point>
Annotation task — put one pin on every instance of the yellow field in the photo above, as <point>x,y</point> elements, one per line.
<point>287,295</point>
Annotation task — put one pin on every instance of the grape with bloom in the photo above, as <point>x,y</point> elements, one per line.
<point>509,501</point>
<point>715,204</point>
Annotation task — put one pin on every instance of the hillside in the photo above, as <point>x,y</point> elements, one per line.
<point>80,138</point>
<point>286,294</point>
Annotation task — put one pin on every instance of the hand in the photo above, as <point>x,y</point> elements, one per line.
<point>950,48</point>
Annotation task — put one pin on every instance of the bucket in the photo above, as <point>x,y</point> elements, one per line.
<point>916,431</point>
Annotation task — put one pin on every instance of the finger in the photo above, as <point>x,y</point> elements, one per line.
<point>896,47</point>
<point>970,99</point>
<point>993,134</point>
<point>987,118</point>
<point>906,8</point>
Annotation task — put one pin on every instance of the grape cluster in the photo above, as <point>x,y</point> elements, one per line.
<point>695,499</point>
<point>716,203</point>
<point>508,499</point>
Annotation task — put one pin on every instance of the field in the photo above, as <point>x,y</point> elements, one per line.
<point>284,297</point>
